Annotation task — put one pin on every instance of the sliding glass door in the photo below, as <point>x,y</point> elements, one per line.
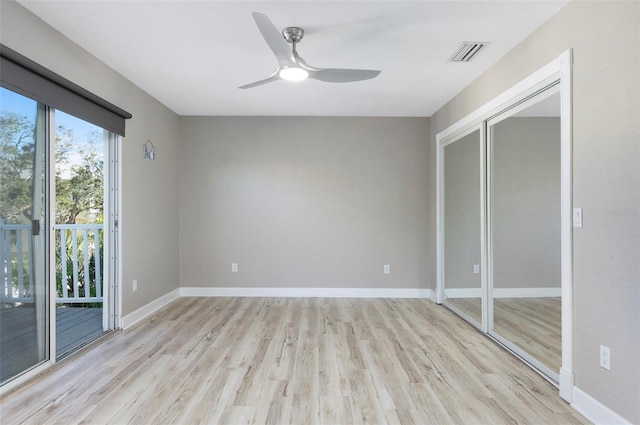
<point>79,232</point>
<point>59,147</point>
<point>57,290</point>
<point>24,296</point>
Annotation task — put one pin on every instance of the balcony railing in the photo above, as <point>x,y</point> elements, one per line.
<point>79,271</point>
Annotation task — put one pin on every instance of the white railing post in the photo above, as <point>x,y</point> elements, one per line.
<point>20,263</point>
<point>97,261</point>
<point>63,262</point>
<point>74,254</point>
<point>85,248</point>
<point>85,254</point>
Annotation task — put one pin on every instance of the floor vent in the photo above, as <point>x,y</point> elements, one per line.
<point>467,51</point>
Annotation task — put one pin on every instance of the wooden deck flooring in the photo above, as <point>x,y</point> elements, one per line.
<point>18,340</point>
<point>293,361</point>
<point>75,326</point>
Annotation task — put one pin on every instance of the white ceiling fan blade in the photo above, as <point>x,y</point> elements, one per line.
<point>274,39</point>
<point>272,77</point>
<point>288,58</point>
<point>337,75</point>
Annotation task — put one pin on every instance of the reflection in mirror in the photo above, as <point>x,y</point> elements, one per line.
<point>462,225</point>
<point>525,229</point>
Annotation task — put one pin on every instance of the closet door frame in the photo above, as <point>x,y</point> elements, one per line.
<point>559,69</point>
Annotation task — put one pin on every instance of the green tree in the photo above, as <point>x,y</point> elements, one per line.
<point>79,183</point>
<point>17,149</point>
<point>79,196</point>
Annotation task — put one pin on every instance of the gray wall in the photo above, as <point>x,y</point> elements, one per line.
<point>303,202</point>
<point>149,222</point>
<point>606,159</point>
<point>525,207</point>
<point>462,206</point>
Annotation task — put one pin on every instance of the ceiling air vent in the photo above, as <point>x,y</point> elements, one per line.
<point>467,51</point>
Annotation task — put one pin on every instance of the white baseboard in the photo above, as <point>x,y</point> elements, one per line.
<point>527,292</point>
<point>463,292</point>
<point>433,295</point>
<point>505,292</point>
<point>148,309</point>
<point>307,292</point>
<point>595,411</point>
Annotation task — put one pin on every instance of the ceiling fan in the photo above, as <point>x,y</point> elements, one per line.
<point>291,66</point>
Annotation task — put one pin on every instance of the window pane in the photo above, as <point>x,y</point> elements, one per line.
<point>23,297</point>
<point>79,232</point>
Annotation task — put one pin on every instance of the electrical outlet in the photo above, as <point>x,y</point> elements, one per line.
<point>605,357</point>
<point>234,267</point>
<point>476,268</point>
<point>387,269</point>
<point>135,285</point>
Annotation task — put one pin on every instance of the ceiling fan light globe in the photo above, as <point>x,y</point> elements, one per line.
<point>293,73</point>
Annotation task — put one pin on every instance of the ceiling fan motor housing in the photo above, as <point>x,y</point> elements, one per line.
<point>293,34</point>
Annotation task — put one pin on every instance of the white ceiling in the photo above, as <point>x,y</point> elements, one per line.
<point>192,55</point>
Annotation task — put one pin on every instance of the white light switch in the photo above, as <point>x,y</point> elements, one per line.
<point>577,217</point>
<point>387,269</point>
<point>476,268</point>
<point>605,357</point>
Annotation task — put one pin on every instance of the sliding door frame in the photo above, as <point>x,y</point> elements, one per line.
<point>112,271</point>
<point>560,69</point>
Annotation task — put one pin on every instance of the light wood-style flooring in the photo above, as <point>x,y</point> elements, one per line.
<point>532,324</point>
<point>293,361</point>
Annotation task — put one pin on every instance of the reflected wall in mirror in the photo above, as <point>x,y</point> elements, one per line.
<point>524,228</point>
<point>462,225</point>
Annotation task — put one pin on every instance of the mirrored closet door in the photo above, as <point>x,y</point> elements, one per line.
<point>524,193</point>
<point>462,216</point>
<point>500,224</point>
